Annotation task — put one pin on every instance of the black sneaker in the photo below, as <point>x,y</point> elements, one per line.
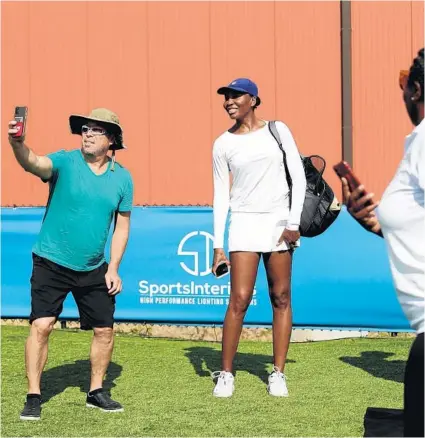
<point>32,408</point>
<point>102,400</point>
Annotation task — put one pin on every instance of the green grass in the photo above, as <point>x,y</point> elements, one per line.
<point>165,387</point>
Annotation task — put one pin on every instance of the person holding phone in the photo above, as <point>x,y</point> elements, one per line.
<point>262,224</point>
<point>400,220</point>
<point>87,190</point>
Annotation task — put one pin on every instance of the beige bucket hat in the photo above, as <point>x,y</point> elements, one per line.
<point>106,118</point>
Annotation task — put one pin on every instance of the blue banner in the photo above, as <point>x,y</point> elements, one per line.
<point>341,279</point>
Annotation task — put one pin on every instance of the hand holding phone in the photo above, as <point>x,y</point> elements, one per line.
<point>343,170</point>
<point>222,269</point>
<point>359,202</point>
<point>17,130</point>
<point>220,266</point>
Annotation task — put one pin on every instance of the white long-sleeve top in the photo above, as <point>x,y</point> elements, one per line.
<point>401,214</point>
<point>259,178</point>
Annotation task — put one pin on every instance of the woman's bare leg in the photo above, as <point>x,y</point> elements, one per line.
<point>244,267</point>
<point>278,267</point>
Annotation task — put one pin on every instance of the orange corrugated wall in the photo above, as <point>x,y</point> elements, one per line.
<point>158,65</point>
<point>386,37</point>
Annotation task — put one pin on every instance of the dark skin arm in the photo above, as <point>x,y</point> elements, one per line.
<point>356,201</point>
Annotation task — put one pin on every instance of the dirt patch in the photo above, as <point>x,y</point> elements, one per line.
<point>214,333</point>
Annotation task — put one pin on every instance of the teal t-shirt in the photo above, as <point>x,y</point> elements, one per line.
<point>80,210</point>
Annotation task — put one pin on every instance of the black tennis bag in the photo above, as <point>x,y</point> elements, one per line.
<point>321,207</point>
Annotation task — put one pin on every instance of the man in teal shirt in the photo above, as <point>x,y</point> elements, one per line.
<point>88,190</point>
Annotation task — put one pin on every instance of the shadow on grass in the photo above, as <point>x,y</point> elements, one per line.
<point>255,364</point>
<point>376,363</point>
<point>56,380</point>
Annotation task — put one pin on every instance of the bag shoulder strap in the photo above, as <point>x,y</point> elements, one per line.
<point>275,133</point>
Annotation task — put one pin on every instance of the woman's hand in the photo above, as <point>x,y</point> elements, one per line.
<point>290,237</point>
<point>356,202</point>
<point>219,256</point>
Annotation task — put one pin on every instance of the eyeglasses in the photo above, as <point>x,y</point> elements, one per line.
<point>402,79</point>
<point>95,130</point>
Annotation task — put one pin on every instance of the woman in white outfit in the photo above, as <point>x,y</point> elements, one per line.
<point>262,223</point>
<point>401,221</point>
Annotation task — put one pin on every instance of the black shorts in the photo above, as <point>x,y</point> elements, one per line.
<point>51,283</point>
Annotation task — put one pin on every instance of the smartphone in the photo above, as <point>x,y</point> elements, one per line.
<point>222,270</point>
<point>21,113</point>
<point>343,170</point>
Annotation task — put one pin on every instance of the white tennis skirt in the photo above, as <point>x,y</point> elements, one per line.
<point>257,232</point>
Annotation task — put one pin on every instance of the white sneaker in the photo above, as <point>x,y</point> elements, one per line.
<point>225,384</point>
<point>277,384</point>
